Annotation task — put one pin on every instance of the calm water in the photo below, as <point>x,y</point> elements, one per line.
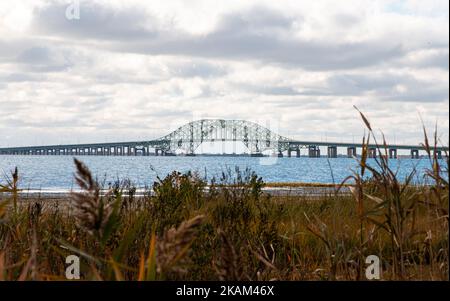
<point>56,172</point>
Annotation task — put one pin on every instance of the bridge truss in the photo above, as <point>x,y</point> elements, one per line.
<point>254,136</point>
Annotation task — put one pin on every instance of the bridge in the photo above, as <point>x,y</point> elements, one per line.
<point>188,138</point>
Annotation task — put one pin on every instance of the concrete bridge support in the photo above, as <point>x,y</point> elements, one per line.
<point>414,154</point>
<point>372,152</point>
<point>392,153</point>
<point>332,151</point>
<point>351,152</point>
<point>313,151</point>
<point>438,154</point>
<point>295,149</point>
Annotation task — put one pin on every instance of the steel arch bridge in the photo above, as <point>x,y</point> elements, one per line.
<point>190,136</point>
<point>254,136</point>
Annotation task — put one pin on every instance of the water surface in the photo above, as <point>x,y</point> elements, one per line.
<point>56,172</point>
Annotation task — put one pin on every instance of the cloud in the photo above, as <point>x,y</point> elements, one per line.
<point>258,33</point>
<point>243,37</point>
<point>384,86</point>
<point>43,59</point>
<point>98,22</point>
<point>131,69</point>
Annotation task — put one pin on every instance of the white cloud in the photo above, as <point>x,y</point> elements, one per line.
<point>132,69</point>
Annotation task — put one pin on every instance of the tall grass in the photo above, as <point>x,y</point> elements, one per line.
<point>229,229</point>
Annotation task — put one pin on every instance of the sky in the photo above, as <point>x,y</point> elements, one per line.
<point>104,71</point>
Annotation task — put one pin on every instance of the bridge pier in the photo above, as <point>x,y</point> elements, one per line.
<point>313,151</point>
<point>332,151</point>
<point>351,152</point>
<point>438,154</point>
<point>392,153</point>
<point>414,154</point>
<point>372,152</point>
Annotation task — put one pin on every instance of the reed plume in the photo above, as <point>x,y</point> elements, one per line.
<point>92,212</point>
<point>174,245</point>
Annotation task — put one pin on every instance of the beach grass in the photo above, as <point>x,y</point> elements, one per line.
<point>233,231</point>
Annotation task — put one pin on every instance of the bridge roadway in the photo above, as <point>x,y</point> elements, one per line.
<point>190,136</point>
<point>143,148</point>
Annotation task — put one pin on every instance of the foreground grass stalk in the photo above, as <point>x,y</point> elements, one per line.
<point>233,231</point>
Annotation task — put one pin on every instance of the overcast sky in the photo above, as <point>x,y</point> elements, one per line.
<point>129,70</point>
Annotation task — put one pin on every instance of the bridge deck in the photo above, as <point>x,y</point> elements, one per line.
<point>188,137</point>
<point>156,143</point>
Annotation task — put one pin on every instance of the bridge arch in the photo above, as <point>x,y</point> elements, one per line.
<point>254,136</point>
